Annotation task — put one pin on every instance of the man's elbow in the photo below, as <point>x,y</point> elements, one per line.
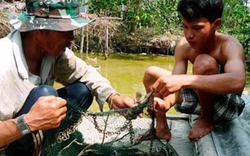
<point>240,84</point>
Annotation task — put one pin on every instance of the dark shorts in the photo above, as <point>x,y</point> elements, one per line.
<point>227,107</point>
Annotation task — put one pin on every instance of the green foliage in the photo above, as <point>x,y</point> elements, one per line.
<point>161,17</point>
<point>236,19</point>
<point>141,21</point>
<point>105,7</point>
<point>158,14</point>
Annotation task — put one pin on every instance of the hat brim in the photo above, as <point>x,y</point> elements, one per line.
<point>25,23</point>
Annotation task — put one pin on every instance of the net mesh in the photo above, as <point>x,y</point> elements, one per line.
<point>114,132</point>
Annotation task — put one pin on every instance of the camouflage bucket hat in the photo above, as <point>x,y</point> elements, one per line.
<point>58,15</point>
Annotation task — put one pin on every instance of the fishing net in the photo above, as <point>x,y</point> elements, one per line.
<point>113,132</point>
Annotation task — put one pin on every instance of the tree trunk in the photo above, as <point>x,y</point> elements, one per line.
<point>134,22</point>
<point>82,42</point>
<point>106,43</point>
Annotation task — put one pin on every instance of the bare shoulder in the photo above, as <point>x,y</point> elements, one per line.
<point>183,47</point>
<point>182,44</point>
<point>229,44</point>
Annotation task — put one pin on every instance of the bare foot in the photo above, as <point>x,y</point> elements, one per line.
<point>202,127</point>
<point>162,129</point>
<point>149,135</point>
<point>163,133</point>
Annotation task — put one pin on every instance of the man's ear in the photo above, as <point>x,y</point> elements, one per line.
<point>217,23</point>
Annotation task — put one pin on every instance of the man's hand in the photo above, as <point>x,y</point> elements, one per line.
<point>46,113</point>
<point>120,102</point>
<point>166,85</point>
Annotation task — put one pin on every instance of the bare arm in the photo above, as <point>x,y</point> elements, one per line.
<point>233,80</point>
<point>9,132</point>
<point>45,114</point>
<point>180,67</point>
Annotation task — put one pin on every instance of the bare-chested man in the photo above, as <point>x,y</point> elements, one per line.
<point>33,57</point>
<point>218,71</point>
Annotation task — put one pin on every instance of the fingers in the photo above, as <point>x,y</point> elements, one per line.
<point>58,116</point>
<point>157,105</point>
<point>164,92</point>
<point>120,102</point>
<point>61,108</point>
<point>62,111</point>
<point>57,102</point>
<point>61,102</point>
<point>155,86</point>
<point>48,112</point>
<point>160,88</point>
<point>59,119</point>
<point>48,98</point>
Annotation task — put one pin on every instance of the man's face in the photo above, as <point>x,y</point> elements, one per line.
<point>198,32</point>
<point>57,41</point>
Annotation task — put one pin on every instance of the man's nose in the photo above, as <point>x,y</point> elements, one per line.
<point>190,34</point>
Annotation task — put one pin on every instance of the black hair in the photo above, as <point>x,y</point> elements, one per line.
<point>195,9</point>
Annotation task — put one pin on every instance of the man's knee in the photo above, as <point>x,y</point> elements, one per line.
<point>153,73</point>
<point>83,96</point>
<point>150,71</point>
<point>44,90</point>
<point>77,93</point>
<point>205,65</point>
<point>82,89</point>
<point>148,74</point>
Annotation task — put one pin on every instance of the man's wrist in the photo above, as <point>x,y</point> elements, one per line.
<point>111,98</point>
<point>22,125</point>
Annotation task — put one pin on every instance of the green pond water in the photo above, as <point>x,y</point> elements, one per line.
<point>125,71</point>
